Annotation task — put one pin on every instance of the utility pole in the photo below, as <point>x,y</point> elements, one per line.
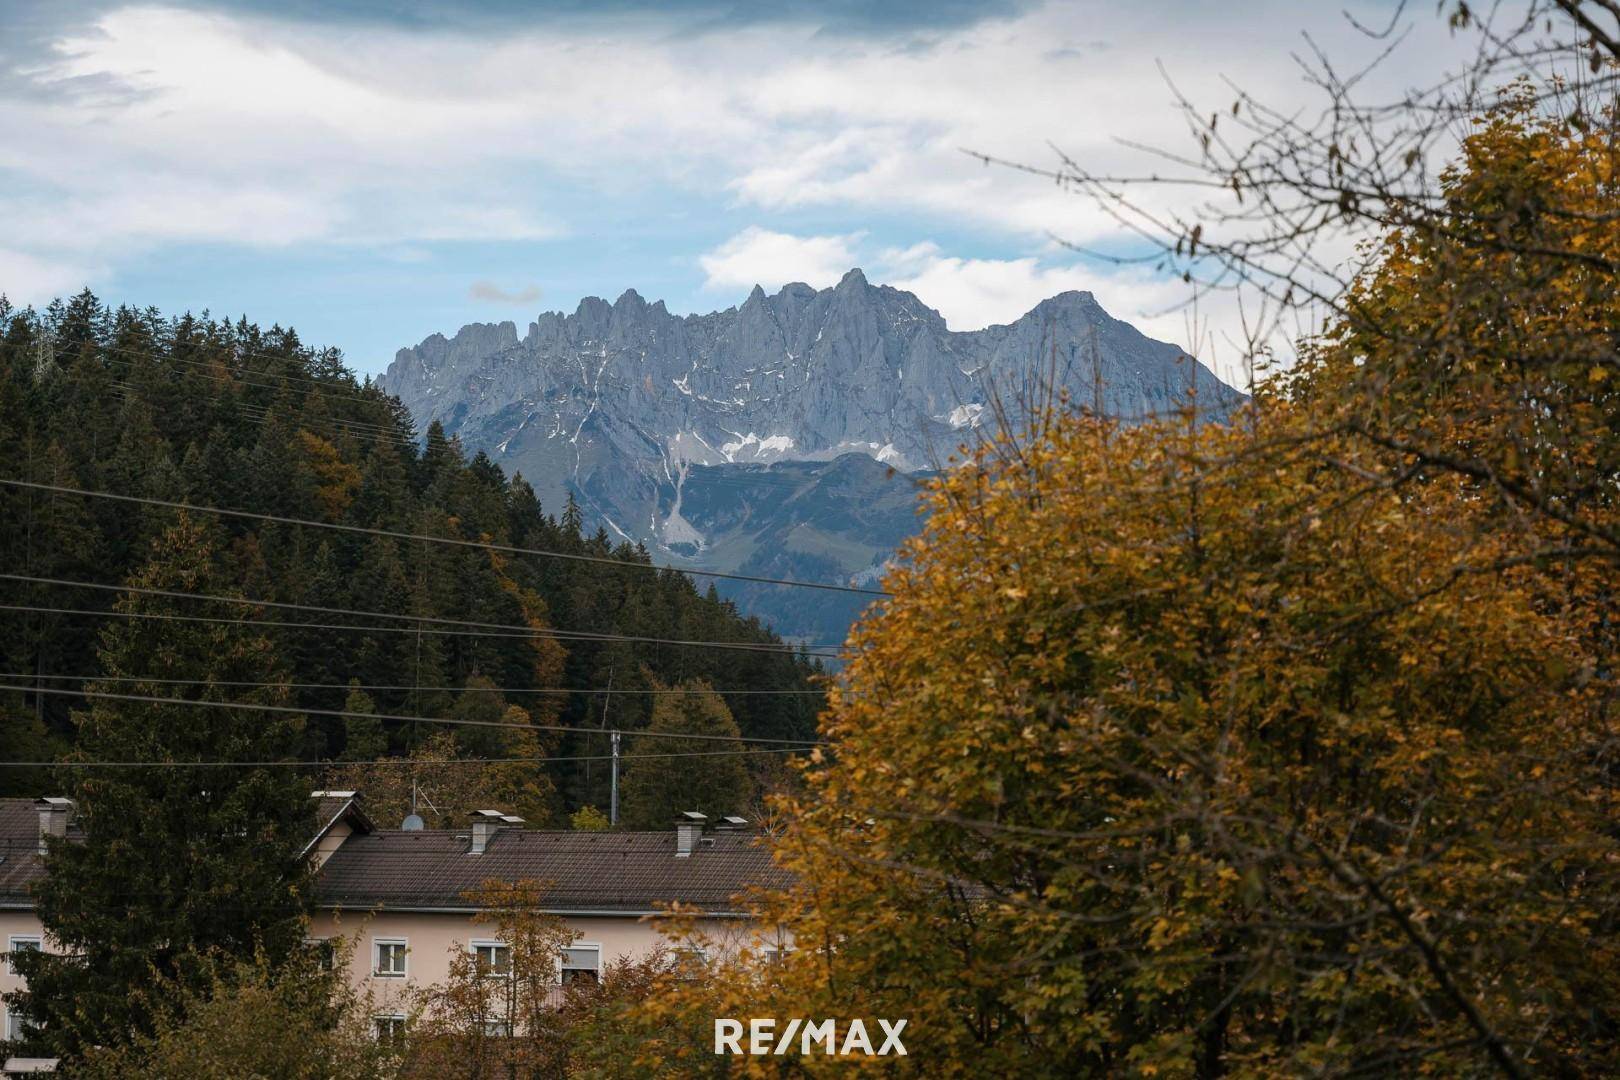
<point>613,801</point>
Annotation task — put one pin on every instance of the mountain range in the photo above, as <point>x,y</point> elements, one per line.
<point>784,437</point>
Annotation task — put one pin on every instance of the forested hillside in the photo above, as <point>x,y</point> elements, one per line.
<point>227,415</point>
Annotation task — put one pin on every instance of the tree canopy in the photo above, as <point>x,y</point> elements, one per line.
<point>227,414</point>
<point>715,781</point>
<point>1276,748</point>
<point>185,854</point>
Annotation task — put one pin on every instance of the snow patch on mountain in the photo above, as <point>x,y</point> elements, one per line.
<point>752,447</point>
<point>628,393</point>
<point>964,416</point>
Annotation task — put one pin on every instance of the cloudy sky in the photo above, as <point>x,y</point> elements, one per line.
<point>371,171</point>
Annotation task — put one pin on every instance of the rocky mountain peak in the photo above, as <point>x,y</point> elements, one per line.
<point>627,406</point>
<point>615,401</point>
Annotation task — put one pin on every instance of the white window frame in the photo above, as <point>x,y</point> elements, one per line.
<point>492,943</point>
<point>583,946</point>
<point>497,1029</point>
<point>325,949</point>
<point>396,1022</point>
<point>690,961</point>
<point>377,944</point>
<point>35,940</point>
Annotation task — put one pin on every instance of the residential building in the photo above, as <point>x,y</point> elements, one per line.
<point>399,895</point>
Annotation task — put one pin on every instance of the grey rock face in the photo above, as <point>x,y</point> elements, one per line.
<point>618,402</point>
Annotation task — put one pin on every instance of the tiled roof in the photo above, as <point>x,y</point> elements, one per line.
<point>20,861</point>
<point>20,864</point>
<point>581,871</point>
<point>331,805</point>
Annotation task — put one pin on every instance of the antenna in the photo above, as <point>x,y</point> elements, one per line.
<point>613,805</point>
<point>413,821</point>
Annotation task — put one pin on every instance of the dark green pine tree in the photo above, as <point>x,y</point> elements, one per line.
<point>364,737</point>
<point>655,789</point>
<point>479,711</point>
<point>178,866</point>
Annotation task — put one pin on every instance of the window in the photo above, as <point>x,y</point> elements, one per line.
<point>774,953</point>
<point>390,1028</point>
<point>388,958</point>
<point>582,963</point>
<point>324,952</point>
<point>497,1029</point>
<point>21,943</point>
<point>494,957</point>
<point>688,962</point>
<point>16,1027</point>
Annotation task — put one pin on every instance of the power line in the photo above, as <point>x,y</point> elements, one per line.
<point>367,427</point>
<point>310,424</point>
<point>392,534</point>
<point>229,380</point>
<point>390,762</point>
<point>518,631</point>
<point>259,416</point>
<point>165,616</point>
<point>339,391</point>
<point>346,714</point>
<point>408,686</point>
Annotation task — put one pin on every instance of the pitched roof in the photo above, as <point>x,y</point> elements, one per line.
<point>20,862</point>
<point>332,806</point>
<point>619,872</point>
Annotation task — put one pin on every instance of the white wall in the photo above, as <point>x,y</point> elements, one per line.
<point>431,939</point>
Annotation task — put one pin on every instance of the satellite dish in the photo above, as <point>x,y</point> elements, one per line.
<point>413,823</point>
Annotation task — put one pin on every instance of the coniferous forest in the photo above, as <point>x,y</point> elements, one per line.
<point>214,413</point>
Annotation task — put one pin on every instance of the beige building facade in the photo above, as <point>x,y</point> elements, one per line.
<point>394,904</point>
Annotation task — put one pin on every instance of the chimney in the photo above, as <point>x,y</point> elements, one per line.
<point>731,823</point>
<point>688,830</point>
<point>54,812</point>
<point>486,823</point>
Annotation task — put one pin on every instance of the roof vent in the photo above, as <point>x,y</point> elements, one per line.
<point>412,823</point>
<point>486,823</point>
<point>688,828</point>
<point>54,812</point>
<point>731,823</point>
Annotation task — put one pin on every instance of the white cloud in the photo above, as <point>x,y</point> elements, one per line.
<point>975,293</point>
<point>265,131</point>
<point>331,114</point>
<point>972,294</point>
<point>492,293</point>
<point>166,207</point>
<point>26,279</point>
<point>758,256</point>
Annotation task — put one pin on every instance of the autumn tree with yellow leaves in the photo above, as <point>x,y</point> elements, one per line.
<point>1280,747</point>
